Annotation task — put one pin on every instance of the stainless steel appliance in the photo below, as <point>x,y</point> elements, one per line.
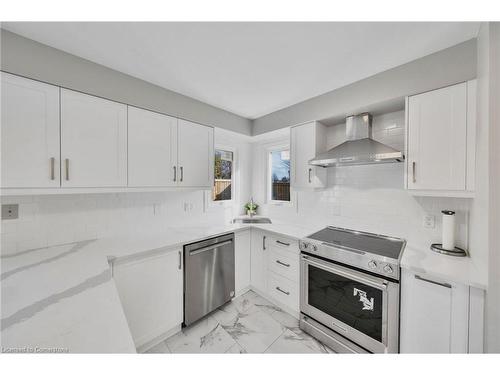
<point>349,290</point>
<point>359,147</point>
<point>208,276</point>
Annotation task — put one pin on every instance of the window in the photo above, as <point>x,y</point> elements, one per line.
<point>223,176</point>
<point>279,175</point>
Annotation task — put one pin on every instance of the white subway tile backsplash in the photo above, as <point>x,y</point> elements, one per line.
<point>50,220</point>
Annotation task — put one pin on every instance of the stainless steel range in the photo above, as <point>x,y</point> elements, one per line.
<point>349,290</point>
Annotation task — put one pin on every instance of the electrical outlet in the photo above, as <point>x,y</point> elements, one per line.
<point>188,206</point>
<point>429,221</point>
<point>156,209</point>
<point>10,211</point>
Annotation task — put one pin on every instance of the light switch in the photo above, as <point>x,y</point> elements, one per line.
<point>10,211</point>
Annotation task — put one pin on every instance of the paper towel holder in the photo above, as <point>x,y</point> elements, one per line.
<point>456,252</point>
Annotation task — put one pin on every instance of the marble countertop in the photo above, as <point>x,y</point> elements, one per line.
<point>63,298</point>
<point>453,269</point>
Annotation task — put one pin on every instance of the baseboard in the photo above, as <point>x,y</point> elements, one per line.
<point>242,291</point>
<point>148,345</point>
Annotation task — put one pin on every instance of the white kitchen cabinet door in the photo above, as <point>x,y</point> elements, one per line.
<point>437,139</point>
<point>151,293</point>
<point>152,149</point>
<point>30,133</point>
<point>93,141</point>
<point>258,266</point>
<point>196,154</point>
<point>306,141</point>
<point>434,315</point>
<point>242,261</point>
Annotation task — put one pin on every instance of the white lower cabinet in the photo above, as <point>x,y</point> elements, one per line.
<point>275,269</point>
<point>151,293</point>
<point>283,272</point>
<point>284,291</point>
<point>258,260</point>
<point>242,261</point>
<point>434,315</point>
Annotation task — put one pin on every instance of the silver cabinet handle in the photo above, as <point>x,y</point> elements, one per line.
<point>66,163</point>
<point>283,264</point>
<point>413,168</point>
<point>282,243</point>
<point>52,165</point>
<point>175,173</point>
<point>446,285</point>
<point>182,174</point>
<point>263,242</point>
<point>282,291</point>
<point>180,260</point>
<point>310,170</point>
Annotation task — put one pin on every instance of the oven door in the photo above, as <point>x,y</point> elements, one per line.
<point>359,306</point>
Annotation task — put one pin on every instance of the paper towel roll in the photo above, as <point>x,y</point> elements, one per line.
<point>448,230</point>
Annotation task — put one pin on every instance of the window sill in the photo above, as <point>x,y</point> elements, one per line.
<point>280,203</point>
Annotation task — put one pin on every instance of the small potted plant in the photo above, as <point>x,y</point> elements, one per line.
<point>251,208</point>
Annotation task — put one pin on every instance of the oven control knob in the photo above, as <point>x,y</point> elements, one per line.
<point>313,247</point>
<point>372,264</point>
<point>388,269</point>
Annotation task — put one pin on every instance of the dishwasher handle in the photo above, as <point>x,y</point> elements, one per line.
<point>208,248</point>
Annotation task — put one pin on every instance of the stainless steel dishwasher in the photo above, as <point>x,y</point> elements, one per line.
<point>208,276</point>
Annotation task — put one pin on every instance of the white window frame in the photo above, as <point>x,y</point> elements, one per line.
<point>228,202</point>
<point>277,147</point>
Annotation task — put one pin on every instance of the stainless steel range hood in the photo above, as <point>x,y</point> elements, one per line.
<point>359,148</point>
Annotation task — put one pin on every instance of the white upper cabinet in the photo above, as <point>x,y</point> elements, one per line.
<point>152,149</point>
<point>93,141</point>
<point>306,141</point>
<point>58,138</point>
<point>30,133</point>
<point>441,139</point>
<point>196,154</point>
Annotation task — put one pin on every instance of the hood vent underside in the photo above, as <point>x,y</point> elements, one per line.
<point>359,148</point>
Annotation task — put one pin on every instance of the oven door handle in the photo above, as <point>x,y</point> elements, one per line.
<point>371,281</point>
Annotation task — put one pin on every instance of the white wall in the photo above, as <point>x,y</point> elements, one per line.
<point>489,83</point>
<point>51,220</point>
<point>370,197</point>
<point>481,207</point>
<point>443,68</point>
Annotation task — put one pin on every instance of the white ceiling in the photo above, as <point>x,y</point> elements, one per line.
<point>250,69</point>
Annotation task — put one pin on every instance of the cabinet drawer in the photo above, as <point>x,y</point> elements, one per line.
<point>284,291</point>
<point>282,243</point>
<point>284,264</point>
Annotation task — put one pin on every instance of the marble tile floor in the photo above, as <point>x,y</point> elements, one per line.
<point>248,324</point>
